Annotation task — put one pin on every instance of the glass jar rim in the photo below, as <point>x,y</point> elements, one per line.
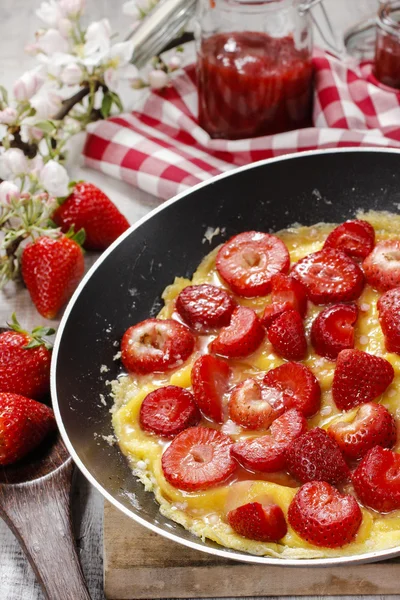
<point>385,19</point>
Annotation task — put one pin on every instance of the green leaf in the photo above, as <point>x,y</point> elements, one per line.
<point>14,324</point>
<point>117,101</point>
<point>79,237</point>
<point>106,105</point>
<point>43,331</point>
<point>4,93</point>
<point>33,344</point>
<point>46,126</point>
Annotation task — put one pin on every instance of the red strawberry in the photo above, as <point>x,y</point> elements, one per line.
<point>372,426</point>
<point>333,330</point>
<point>287,336</point>
<point>25,361</point>
<point>329,276</point>
<point>51,270</point>
<point>323,516</point>
<point>241,337</point>
<point>24,423</point>
<point>287,293</point>
<point>255,521</point>
<point>197,459</point>
<point>316,456</point>
<point>248,261</point>
<point>205,307</point>
<point>354,238</point>
<point>90,209</point>
<point>359,378</point>
<point>297,387</point>
<point>377,480</point>
<point>389,318</point>
<point>249,407</point>
<point>156,345</point>
<point>210,377</point>
<point>267,453</point>
<point>382,265</point>
<point>168,411</point>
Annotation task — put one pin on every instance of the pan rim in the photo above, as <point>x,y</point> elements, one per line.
<point>228,554</point>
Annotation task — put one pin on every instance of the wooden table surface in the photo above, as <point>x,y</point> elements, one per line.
<point>17,27</point>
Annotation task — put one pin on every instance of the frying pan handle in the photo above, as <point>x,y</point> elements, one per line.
<point>39,516</point>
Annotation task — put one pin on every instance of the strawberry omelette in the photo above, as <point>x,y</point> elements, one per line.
<point>261,406</point>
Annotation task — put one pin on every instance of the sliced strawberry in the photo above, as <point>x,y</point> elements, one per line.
<point>359,378</point>
<point>248,261</point>
<point>377,480</point>
<point>297,386</point>
<point>197,459</point>
<point>354,238</point>
<point>241,337</point>
<point>205,307</point>
<point>329,276</point>
<point>373,425</point>
<point>210,377</point>
<point>389,318</point>
<point>249,406</point>
<point>156,345</point>
<point>287,293</point>
<point>168,411</point>
<point>316,456</point>
<point>333,330</point>
<point>255,521</point>
<point>382,265</point>
<point>267,453</point>
<point>287,336</point>
<point>323,516</point>
<point>272,311</point>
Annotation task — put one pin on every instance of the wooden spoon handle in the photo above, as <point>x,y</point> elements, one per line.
<point>39,515</point>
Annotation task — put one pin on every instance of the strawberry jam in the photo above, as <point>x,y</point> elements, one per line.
<point>387,61</point>
<point>251,84</point>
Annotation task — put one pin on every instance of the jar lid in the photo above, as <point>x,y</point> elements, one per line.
<point>359,40</point>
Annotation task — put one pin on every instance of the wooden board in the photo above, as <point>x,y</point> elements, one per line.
<point>141,564</point>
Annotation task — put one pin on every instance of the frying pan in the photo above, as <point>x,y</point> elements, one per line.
<point>125,284</point>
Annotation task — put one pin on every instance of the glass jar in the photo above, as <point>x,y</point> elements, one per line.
<point>254,68</point>
<point>387,49</point>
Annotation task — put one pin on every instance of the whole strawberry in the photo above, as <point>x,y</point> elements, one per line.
<point>25,361</point>
<point>51,270</point>
<point>24,423</point>
<point>89,208</point>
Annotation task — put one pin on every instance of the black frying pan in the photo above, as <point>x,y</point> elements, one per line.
<point>125,284</point>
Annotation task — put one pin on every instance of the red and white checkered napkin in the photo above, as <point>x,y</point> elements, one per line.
<point>160,148</point>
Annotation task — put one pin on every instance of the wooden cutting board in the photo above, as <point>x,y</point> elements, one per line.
<point>141,564</point>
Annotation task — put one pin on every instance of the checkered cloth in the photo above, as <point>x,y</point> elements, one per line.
<point>160,148</point>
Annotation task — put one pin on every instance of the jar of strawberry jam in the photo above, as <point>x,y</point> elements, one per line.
<point>387,50</point>
<point>254,68</point>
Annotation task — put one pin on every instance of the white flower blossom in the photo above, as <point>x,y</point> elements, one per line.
<point>174,62</point>
<point>65,27</point>
<point>71,74</point>
<point>30,133</point>
<point>131,9</point>
<point>97,42</point>
<point>158,79</point>
<point>72,8</point>
<point>28,84</point>
<point>49,12</point>
<point>46,104</point>
<point>8,116</point>
<point>36,164</point>
<point>8,190</point>
<point>118,66</point>
<point>13,163</point>
<point>54,179</point>
<point>52,41</point>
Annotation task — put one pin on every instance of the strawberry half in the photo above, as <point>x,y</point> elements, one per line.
<point>323,516</point>
<point>267,453</point>
<point>197,459</point>
<point>24,423</point>
<point>373,425</point>
<point>377,480</point>
<point>316,456</point>
<point>255,521</point>
<point>354,238</point>
<point>249,405</point>
<point>90,209</point>
<point>287,336</point>
<point>156,345</point>
<point>287,293</point>
<point>241,337</point>
<point>382,266</point>
<point>168,411</point>
<point>333,330</point>
<point>296,386</point>
<point>389,318</point>
<point>329,276</point>
<point>359,378</point>
<point>210,379</point>
<point>248,261</point>
<point>205,307</point>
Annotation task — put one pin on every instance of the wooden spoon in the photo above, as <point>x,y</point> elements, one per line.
<point>35,504</point>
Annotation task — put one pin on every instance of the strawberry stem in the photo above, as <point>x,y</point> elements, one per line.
<point>37,334</point>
